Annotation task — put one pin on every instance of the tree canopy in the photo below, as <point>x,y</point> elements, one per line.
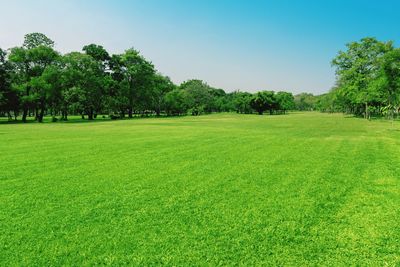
<point>38,81</point>
<point>367,80</point>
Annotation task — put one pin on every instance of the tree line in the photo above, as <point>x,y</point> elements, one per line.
<point>38,81</point>
<point>368,80</point>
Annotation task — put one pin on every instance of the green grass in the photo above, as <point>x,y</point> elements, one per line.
<point>302,189</point>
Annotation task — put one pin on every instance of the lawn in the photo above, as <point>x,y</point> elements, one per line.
<point>298,189</point>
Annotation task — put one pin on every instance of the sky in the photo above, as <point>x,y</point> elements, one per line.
<point>247,45</point>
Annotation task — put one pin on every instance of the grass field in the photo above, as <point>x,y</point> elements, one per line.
<point>301,189</point>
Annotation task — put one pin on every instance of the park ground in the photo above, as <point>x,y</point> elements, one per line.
<point>297,189</point>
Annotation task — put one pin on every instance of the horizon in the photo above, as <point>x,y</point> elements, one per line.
<point>233,45</point>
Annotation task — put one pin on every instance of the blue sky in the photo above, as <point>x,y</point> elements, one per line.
<point>248,45</point>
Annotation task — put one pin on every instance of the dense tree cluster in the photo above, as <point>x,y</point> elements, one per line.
<point>38,81</point>
<point>368,80</point>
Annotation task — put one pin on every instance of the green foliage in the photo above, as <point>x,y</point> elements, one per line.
<point>161,85</point>
<point>29,63</point>
<point>305,102</point>
<point>34,40</point>
<point>242,102</point>
<point>367,78</point>
<point>285,101</point>
<point>390,78</point>
<point>42,82</point>
<point>263,101</point>
<point>175,102</point>
<point>97,52</point>
<point>198,96</point>
<point>8,96</point>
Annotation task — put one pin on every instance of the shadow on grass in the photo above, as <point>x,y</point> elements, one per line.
<point>79,120</point>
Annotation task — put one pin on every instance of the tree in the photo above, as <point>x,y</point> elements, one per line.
<point>138,74</point>
<point>85,75</point>
<point>285,101</point>
<point>218,102</point>
<point>36,39</point>
<point>44,78</point>
<point>175,102</point>
<point>198,96</point>
<point>29,62</point>
<point>97,52</point>
<point>242,102</point>
<point>161,86</point>
<point>263,101</point>
<point>390,80</point>
<point>8,97</point>
<point>36,80</point>
<point>305,102</point>
<point>357,69</point>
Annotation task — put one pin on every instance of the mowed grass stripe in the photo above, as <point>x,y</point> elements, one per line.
<point>219,189</point>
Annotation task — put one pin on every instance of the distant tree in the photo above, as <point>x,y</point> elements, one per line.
<point>29,62</point>
<point>36,80</point>
<point>198,96</point>
<point>285,101</point>
<point>84,74</point>
<point>138,74</point>
<point>242,102</point>
<point>45,78</point>
<point>175,102</point>
<point>264,100</point>
<point>218,101</point>
<point>161,86</point>
<point>8,97</point>
<point>305,102</point>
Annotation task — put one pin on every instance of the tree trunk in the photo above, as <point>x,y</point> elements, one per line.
<point>260,112</point>
<point>36,114</point>
<point>24,114</point>
<point>40,114</point>
<point>130,113</point>
<point>64,115</point>
<point>90,115</point>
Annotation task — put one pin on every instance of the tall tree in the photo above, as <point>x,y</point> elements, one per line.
<point>30,61</point>
<point>390,80</point>
<point>138,74</point>
<point>358,67</point>
<point>83,74</point>
<point>8,97</point>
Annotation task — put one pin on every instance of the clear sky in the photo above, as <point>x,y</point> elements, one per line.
<point>249,45</point>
